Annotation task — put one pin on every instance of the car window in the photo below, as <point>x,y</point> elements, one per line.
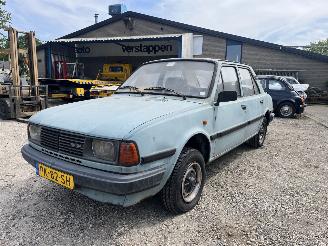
<point>276,85</point>
<point>263,83</point>
<point>246,82</point>
<point>230,79</point>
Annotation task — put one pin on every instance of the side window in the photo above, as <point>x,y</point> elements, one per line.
<point>256,86</point>
<point>230,79</point>
<point>263,83</point>
<point>246,82</point>
<point>276,85</point>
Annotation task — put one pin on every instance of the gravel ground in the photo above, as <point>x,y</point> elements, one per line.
<point>318,112</point>
<point>274,195</point>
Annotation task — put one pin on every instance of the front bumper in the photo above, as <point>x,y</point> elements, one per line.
<point>86,178</point>
<point>300,109</point>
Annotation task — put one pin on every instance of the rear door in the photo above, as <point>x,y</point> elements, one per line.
<point>252,101</point>
<point>230,117</point>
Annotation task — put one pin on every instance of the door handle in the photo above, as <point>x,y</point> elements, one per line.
<point>243,107</point>
<point>261,101</point>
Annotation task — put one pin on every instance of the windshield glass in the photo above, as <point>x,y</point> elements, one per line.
<point>292,81</point>
<point>188,78</point>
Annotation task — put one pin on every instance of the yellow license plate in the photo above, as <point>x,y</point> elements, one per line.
<point>56,176</point>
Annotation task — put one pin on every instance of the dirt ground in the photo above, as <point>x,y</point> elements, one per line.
<point>277,195</point>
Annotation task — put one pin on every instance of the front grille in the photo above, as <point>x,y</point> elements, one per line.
<point>62,141</point>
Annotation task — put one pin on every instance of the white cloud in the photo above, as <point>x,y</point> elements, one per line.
<point>288,22</point>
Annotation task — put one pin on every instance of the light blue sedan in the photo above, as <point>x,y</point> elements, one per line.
<point>155,135</point>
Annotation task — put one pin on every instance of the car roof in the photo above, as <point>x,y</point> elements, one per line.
<point>218,61</point>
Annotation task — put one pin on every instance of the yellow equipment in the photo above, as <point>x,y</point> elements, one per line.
<point>115,72</point>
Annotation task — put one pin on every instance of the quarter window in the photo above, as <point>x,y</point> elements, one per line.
<point>230,79</point>
<point>246,82</point>
<point>263,83</point>
<point>276,85</point>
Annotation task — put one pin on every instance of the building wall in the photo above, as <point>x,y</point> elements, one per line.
<point>41,63</point>
<point>310,71</point>
<point>213,47</point>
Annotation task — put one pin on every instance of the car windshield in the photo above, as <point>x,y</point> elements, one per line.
<point>184,78</point>
<point>292,81</point>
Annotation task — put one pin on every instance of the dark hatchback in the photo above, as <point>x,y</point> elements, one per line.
<point>286,101</point>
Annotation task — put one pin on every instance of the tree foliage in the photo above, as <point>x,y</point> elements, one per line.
<point>5,17</point>
<point>320,47</point>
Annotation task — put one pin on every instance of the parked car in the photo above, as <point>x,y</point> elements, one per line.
<point>300,88</point>
<point>155,134</point>
<point>286,101</point>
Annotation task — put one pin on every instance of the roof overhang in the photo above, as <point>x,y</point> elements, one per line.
<point>114,39</point>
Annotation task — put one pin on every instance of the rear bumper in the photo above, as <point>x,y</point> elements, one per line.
<point>86,178</point>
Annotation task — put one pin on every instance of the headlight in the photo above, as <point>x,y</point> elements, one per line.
<point>34,133</point>
<point>104,150</point>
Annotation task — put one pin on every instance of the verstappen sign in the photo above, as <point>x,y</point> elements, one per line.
<point>142,48</point>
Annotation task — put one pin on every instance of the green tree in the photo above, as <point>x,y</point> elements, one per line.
<point>320,47</point>
<point>5,17</point>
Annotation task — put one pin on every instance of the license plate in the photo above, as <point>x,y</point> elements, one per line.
<point>56,176</point>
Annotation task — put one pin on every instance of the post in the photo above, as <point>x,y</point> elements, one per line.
<point>33,59</point>
<point>13,53</point>
<point>187,45</point>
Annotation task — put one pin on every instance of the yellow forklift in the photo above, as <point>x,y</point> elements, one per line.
<point>19,97</point>
<point>115,74</point>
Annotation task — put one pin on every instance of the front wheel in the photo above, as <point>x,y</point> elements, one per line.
<point>184,188</point>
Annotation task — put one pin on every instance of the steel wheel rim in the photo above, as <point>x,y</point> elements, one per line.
<point>191,182</point>
<point>262,133</point>
<point>286,110</point>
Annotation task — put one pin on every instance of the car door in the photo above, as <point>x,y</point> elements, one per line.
<point>229,116</point>
<point>278,91</point>
<point>252,101</point>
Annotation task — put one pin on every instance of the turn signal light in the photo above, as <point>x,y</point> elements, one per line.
<point>129,155</point>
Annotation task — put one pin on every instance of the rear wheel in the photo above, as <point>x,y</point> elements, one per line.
<point>286,110</point>
<point>258,140</point>
<point>184,188</point>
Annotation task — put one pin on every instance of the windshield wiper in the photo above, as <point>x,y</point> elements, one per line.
<point>159,88</point>
<point>132,88</point>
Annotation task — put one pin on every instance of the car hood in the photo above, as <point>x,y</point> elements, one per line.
<point>111,117</point>
<point>300,87</point>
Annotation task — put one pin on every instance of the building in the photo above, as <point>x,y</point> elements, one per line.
<point>135,38</point>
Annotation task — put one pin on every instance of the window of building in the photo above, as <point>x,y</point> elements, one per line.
<point>233,51</point>
<point>276,85</point>
<point>246,82</point>
<point>230,79</point>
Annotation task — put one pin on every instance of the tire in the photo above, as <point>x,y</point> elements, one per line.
<point>4,109</point>
<point>286,110</point>
<point>258,140</point>
<point>183,190</point>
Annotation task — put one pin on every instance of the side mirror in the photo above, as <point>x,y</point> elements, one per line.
<point>226,96</point>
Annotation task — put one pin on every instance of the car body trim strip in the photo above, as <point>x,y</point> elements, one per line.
<point>235,128</point>
<point>158,156</point>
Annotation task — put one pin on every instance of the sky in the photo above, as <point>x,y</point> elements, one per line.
<point>286,22</point>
